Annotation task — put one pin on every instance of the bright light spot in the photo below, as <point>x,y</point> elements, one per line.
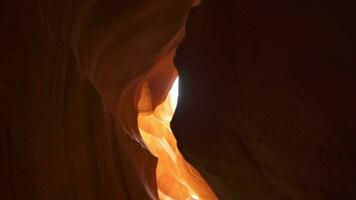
<point>195,197</point>
<point>174,93</point>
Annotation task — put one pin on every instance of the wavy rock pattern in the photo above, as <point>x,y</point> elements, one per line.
<point>65,71</point>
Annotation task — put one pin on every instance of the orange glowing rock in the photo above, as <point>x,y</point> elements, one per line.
<point>176,178</point>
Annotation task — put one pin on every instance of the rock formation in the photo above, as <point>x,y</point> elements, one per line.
<point>66,71</point>
<point>266,106</point>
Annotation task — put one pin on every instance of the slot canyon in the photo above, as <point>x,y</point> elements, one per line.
<point>92,109</point>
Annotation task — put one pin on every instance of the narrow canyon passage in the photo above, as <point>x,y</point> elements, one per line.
<point>176,178</point>
<point>266,107</point>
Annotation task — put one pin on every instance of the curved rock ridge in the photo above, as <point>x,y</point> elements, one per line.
<point>64,68</point>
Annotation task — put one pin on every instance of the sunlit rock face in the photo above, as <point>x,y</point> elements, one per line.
<point>267,102</point>
<point>176,178</point>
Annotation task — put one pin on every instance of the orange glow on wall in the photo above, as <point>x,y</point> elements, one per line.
<point>176,178</point>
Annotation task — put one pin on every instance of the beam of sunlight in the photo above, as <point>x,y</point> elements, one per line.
<point>174,93</point>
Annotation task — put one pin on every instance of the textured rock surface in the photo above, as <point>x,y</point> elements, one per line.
<point>267,99</point>
<point>64,66</point>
